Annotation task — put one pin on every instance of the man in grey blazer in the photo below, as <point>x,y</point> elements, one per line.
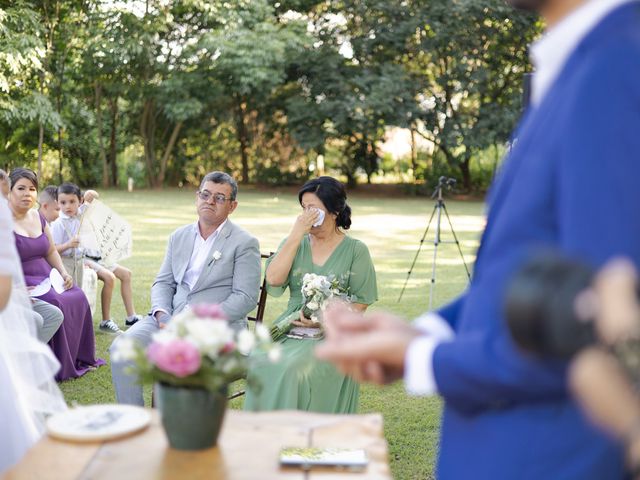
<point>210,261</point>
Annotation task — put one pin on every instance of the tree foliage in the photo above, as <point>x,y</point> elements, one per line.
<point>101,89</point>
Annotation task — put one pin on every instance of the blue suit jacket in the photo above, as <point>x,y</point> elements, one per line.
<point>571,182</point>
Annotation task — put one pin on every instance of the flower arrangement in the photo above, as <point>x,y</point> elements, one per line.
<point>317,291</point>
<point>196,349</point>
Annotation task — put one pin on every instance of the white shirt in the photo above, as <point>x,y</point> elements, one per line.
<point>552,50</point>
<point>65,227</point>
<point>549,55</point>
<point>199,256</point>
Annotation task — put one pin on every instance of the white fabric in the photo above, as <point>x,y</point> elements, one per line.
<point>550,53</point>
<point>199,256</point>
<point>28,392</point>
<point>419,378</point>
<point>90,287</point>
<point>63,229</point>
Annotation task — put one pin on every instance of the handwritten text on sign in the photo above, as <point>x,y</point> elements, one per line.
<point>111,232</point>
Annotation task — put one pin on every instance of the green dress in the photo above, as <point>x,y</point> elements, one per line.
<point>299,381</point>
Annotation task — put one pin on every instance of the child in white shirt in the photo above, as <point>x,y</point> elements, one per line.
<point>65,232</point>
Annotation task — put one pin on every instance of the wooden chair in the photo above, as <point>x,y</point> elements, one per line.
<point>258,317</point>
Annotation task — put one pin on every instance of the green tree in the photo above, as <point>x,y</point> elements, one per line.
<point>470,58</point>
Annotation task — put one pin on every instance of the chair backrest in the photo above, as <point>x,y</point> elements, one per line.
<point>262,298</point>
<point>258,317</point>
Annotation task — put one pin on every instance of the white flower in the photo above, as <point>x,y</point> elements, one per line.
<point>313,306</point>
<point>125,351</point>
<point>165,335</point>
<point>209,336</point>
<point>274,353</point>
<point>216,256</point>
<point>263,333</point>
<point>246,342</point>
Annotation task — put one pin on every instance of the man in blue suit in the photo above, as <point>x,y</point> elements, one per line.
<point>572,183</point>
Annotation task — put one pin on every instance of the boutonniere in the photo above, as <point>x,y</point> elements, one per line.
<point>216,256</point>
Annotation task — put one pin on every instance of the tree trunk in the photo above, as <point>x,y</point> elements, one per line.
<point>466,173</point>
<point>243,138</point>
<point>147,132</point>
<point>59,103</point>
<point>113,141</point>
<point>167,152</point>
<point>40,142</point>
<point>414,152</point>
<point>102,153</point>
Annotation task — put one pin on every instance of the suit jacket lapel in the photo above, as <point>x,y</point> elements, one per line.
<point>218,245</point>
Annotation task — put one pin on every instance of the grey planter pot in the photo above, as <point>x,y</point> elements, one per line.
<point>191,417</point>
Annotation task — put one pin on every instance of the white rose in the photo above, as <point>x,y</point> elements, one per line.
<point>126,350</point>
<point>210,336</point>
<point>164,336</point>
<point>246,342</point>
<point>313,306</point>
<point>263,332</point>
<point>274,353</point>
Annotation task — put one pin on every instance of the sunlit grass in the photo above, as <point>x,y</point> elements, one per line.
<point>391,227</point>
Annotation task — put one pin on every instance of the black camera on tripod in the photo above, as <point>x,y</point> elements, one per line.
<point>443,183</point>
<point>447,182</point>
<point>542,307</point>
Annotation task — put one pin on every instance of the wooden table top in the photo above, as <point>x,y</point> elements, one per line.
<point>248,448</point>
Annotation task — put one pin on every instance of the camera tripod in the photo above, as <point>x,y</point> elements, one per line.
<point>438,208</point>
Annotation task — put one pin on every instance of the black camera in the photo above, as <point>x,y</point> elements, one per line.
<point>446,182</point>
<point>540,307</point>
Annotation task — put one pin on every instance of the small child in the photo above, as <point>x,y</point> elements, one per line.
<point>65,232</point>
<point>48,201</point>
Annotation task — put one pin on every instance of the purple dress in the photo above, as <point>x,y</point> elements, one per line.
<point>73,343</point>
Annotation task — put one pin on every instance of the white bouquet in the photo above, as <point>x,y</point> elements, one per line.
<point>317,291</point>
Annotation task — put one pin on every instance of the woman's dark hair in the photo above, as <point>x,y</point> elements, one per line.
<point>333,195</point>
<point>69,188</point>
<point>19,173</point>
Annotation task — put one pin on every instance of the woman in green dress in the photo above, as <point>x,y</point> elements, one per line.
<point>316,244</point>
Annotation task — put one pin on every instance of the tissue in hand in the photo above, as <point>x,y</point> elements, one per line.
<point>320,218</point>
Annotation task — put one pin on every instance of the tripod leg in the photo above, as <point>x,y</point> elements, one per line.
<point>415,258</point>
<point>436,242</point>
<point>456,240</point>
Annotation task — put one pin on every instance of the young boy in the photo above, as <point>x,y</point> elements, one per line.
<point>65,234</point>
<point>48,201</point>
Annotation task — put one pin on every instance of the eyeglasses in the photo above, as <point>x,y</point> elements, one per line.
<point>206,195</point>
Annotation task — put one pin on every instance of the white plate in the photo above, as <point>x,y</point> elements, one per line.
<point>94,423</point>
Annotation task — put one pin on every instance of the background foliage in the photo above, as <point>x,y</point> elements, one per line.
<point>102,90</point>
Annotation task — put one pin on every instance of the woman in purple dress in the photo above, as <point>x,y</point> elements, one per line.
<point>73,343</point>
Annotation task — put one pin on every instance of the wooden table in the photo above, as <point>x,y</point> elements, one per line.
<point>247,449</point>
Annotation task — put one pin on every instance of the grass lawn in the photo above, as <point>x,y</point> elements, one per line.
<point>392,229</point>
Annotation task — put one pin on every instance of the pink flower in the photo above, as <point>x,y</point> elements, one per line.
<point>178,357</point>
<point>209,310</point>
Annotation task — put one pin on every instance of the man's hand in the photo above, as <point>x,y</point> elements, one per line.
<point>604,391</point>
<point>369,348</point>
<point>162,318</point>
<point>618,316</point>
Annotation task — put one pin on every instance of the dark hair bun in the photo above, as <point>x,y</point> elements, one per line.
<point>343,219</point>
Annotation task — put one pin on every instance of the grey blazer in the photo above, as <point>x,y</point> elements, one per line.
<point>232,281</point>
